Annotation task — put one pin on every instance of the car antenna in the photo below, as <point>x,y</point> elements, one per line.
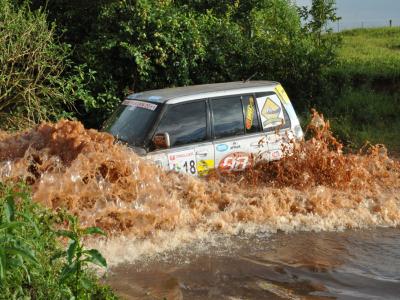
<point>251,77</point>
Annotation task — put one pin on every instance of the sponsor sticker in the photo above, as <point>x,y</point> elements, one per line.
<point>280,91</point>
<point>184,162</point>
<point>271,112</point>
<point>222,147</point>
<point>204,166</point>
<point>140,104</point>
<point>250,113</point>
<point>181,155</point>
<point>237,161</point>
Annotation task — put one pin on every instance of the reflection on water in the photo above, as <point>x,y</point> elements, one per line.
<point>305,265</point>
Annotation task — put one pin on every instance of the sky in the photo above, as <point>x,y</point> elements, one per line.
<point>367,13</point>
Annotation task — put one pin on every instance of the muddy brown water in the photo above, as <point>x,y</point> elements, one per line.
<point>354,264</point>
<point>317,223</point>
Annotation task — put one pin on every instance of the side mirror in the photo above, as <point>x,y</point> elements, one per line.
<point>161,140</point>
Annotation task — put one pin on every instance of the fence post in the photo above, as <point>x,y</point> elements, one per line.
<point>390,23</point>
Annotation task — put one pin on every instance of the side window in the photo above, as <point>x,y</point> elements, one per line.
<point>228,117</point>
<point>273,114</point>
<point>185,123</point>
<point>252,123</point>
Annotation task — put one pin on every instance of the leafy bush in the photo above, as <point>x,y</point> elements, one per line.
<point>147,44</point>
<point>34,82</point>
<point>28,246</point>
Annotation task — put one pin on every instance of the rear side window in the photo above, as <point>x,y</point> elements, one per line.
<point>185,123</point>
<point>228,117</point>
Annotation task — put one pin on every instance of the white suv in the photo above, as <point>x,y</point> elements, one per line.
<point>198,128</point>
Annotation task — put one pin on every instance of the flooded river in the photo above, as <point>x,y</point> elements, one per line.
<point>316,224</point>
<point>354,264</point>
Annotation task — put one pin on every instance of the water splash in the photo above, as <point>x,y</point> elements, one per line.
<point>317,187</point>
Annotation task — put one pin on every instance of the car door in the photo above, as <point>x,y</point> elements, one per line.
<point>191,150</point>
<point>238,139</point>
<point>276,124</point>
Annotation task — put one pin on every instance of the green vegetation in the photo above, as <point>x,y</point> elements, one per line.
<point>29,247</point>
<point>78,258</point>
<point>37,81</point>
<point>371,54</point>
<point>362,93</point>
<point>97,51</point>
<point>77,59</point>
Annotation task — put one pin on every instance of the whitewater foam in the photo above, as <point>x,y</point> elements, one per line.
<point>147,210</point>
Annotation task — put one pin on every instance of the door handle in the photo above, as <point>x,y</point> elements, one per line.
<point>202,154</point>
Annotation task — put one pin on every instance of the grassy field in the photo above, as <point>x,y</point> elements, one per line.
<point>371,53</point>
<point>364,98</point>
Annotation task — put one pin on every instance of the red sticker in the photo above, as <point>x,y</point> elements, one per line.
<point>237,161</point>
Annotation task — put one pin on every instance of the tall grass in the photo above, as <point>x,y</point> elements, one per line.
<point>371,53</point>
<point>362,94</point>
<point>362,115</point>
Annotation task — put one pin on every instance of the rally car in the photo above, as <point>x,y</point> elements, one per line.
<point>194,129</point>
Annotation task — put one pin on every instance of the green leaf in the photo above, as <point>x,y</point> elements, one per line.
<point>28,218</point>
<point>71,251</point>
<point>95,257</point>
<point>25,253</point>
<point>12,225</point>
<point>94,230</point>
<point>86,283</point>
<point>68,271</point>
<point>67,233</point>
<point>2,264</point>
<point>9,208</point>
<point>28,276</point>
<point>58,255</point>
<point>15,262</point>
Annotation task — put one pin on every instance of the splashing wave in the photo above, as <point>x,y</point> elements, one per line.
<point>318,187</point>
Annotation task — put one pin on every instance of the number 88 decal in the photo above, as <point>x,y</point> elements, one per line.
<point>237,161</point>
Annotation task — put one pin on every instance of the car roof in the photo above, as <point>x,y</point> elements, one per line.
<point>187,93</point>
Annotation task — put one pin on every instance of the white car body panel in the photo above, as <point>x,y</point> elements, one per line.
<point>234,153</point>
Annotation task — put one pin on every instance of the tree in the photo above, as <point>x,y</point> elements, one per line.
<point>34,84</point>
<point>145,44</point>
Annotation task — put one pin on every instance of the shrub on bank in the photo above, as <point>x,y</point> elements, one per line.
<point>33,264</point>
<point>37,80</point>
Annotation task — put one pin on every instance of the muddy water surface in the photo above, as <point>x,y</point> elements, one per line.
<point>361,264</point>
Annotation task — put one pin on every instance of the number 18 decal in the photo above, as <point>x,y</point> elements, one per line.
<point>190,167</point>
<point>184,161</point>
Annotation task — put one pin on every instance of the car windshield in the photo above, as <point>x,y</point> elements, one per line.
<point>132,121</point>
